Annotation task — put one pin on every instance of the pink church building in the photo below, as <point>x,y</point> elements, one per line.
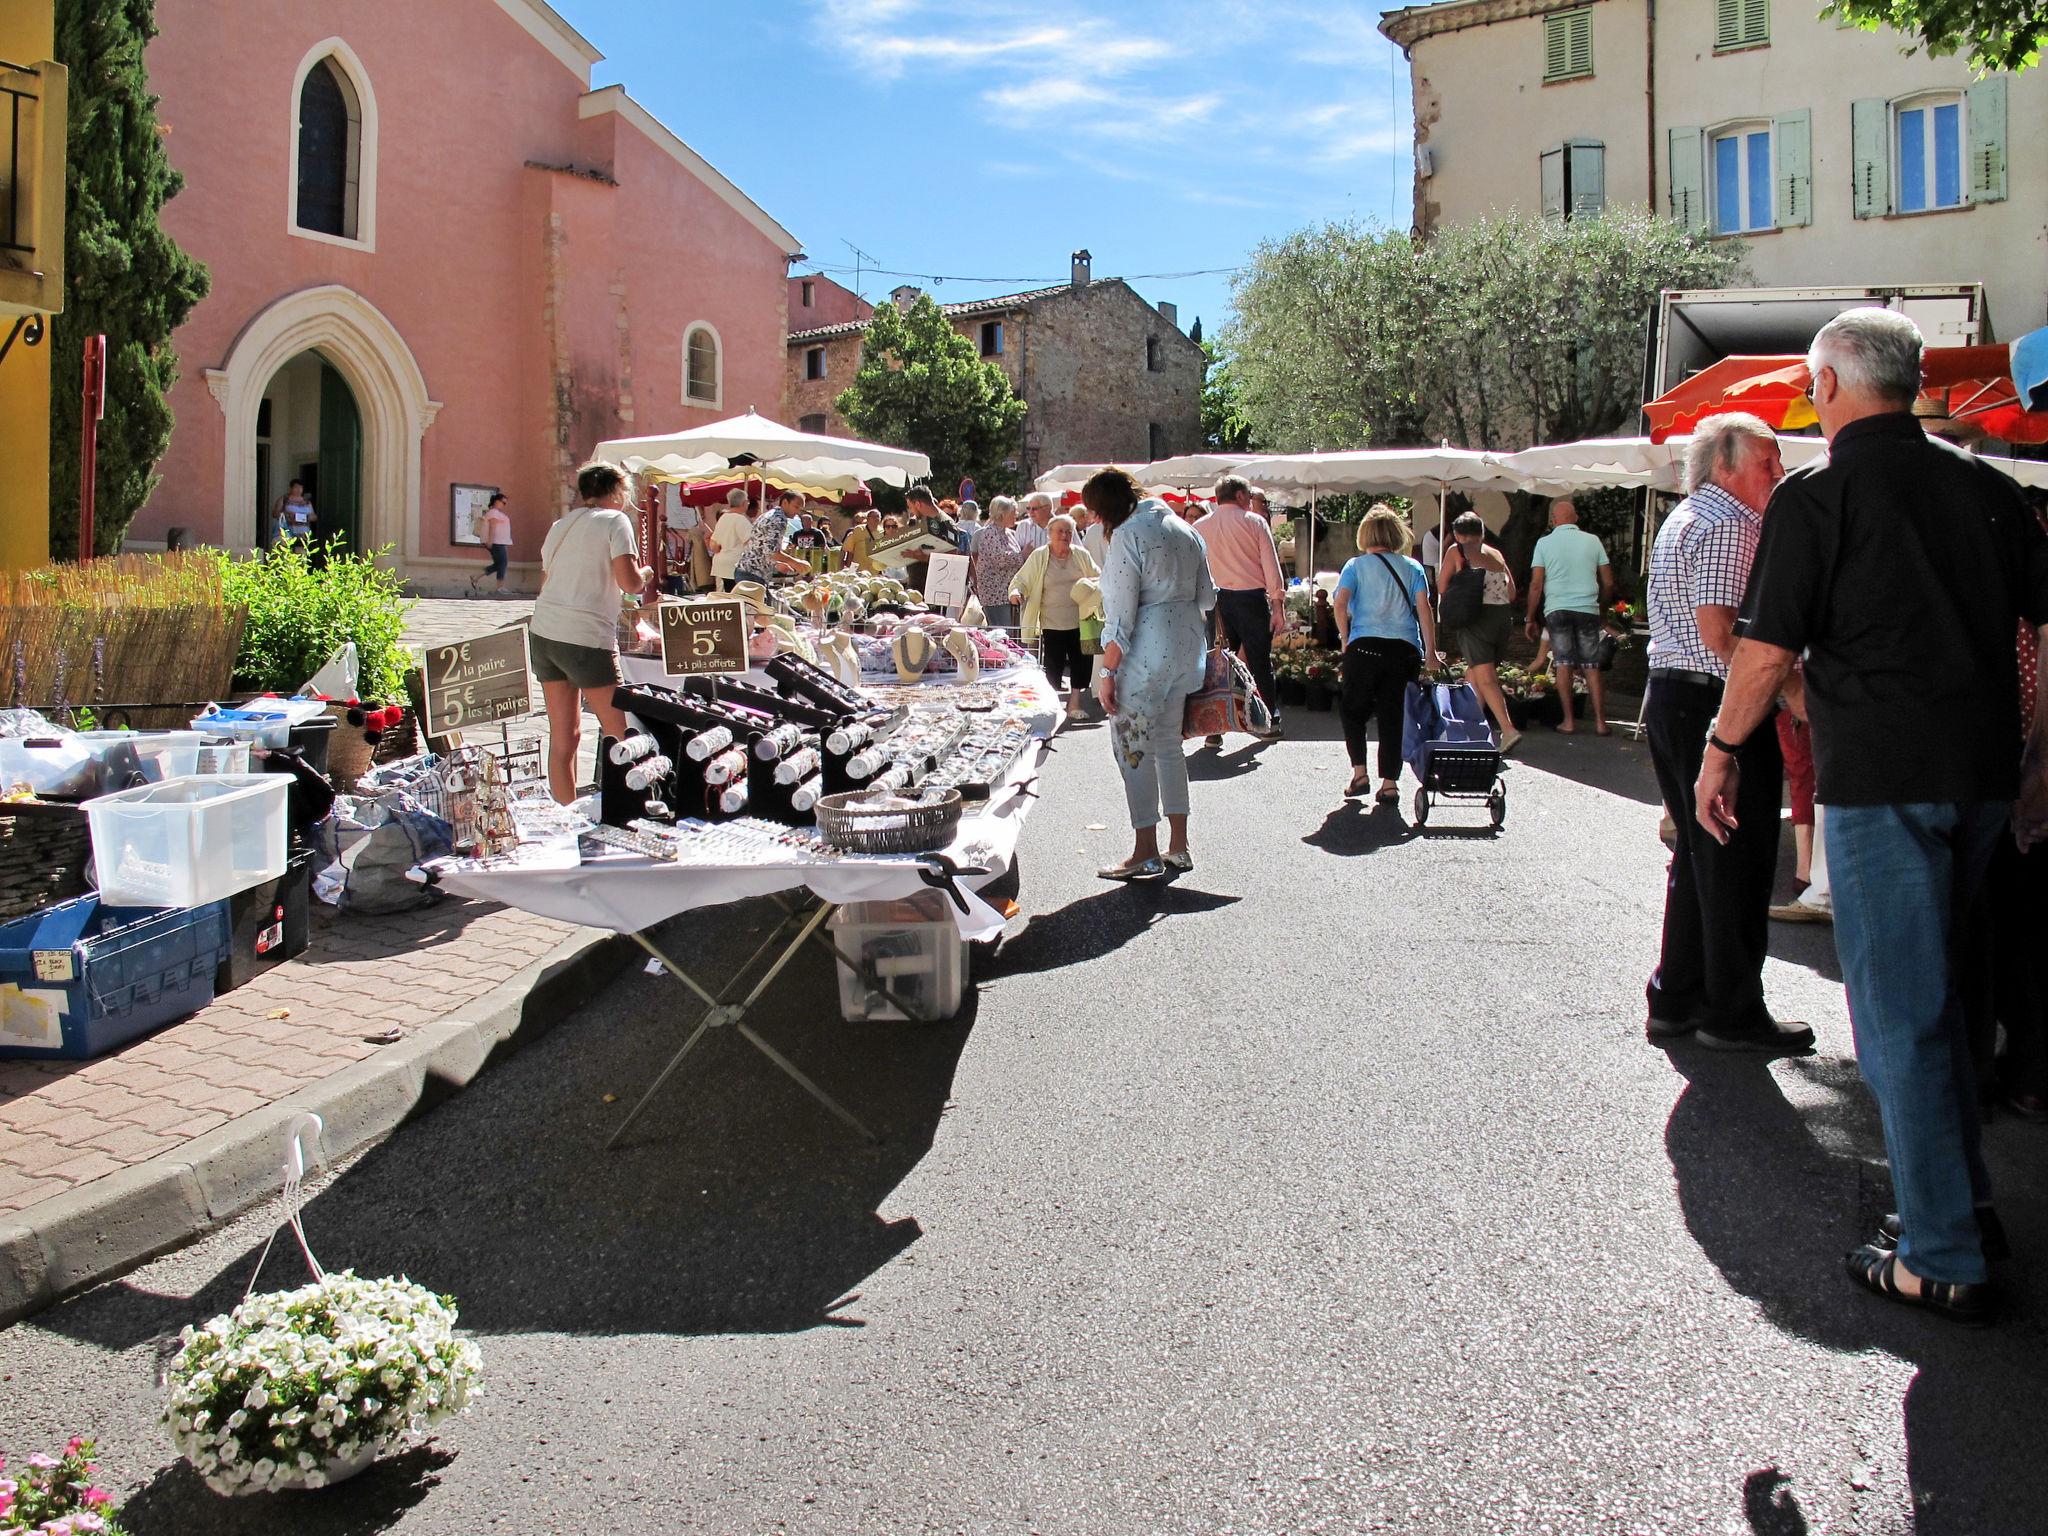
<point>442,264</point>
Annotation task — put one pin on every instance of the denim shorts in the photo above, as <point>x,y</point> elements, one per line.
<point>1574,638</point>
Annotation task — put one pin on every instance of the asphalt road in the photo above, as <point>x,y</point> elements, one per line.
<point>1332,1188</point>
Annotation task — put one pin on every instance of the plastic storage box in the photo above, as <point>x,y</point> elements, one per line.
<point>79,978</point>
<point>58,767</point>
<point>912,946</point>
<point>185,842</point>
<point>267,924</point>
<point>160,754</point>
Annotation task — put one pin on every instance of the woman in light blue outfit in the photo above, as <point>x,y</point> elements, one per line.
<point>1156,597</point>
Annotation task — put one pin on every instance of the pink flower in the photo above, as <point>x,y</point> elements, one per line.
<point>41,1462</point>
<point>87,1523</point>
<point>94,1497</point>
<point>74,1445</point>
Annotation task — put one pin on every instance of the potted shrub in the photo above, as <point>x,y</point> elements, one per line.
<point>298,1389</point>
<point>1320,681</point>
<point>57,1494</point>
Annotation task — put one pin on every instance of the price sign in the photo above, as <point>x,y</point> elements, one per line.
<point>476,682</point>
<point>708,635</point>
<point>945,585</point>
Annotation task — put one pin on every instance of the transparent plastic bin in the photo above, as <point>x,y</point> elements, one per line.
<point>188,841</point>
<point>223,757</point>
<point>160,754</point>
<point>265,722</point>
<point>59,767</point>
<point>912,946</point>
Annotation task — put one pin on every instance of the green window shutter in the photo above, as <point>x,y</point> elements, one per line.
<point>1741,23</point>
<point>1727,23</point>
<point>1794,150</point>
<point>1581,44</point>
<point>1588,178</point>
<point>1870,136</point>
<point>1567,44</point>
<point>1756,21</point>
<point>1688,200</point>
<point>1551,176</point>
<point>1986,127</point>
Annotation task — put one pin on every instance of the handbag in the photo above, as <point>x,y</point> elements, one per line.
<point>1227,701</point>
<point>1463,596</point>
<point>1091,637</point>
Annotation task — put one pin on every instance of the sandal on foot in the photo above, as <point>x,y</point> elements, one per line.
<point>1990,1233</point>
<point>1133,869</point>
<point>1387,797</point>
<point>1180,863</point>
<point>1875,1269</point>
<point>1356,788</point>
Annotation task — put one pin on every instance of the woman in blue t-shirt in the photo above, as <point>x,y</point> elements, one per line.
<point>1388,627</point>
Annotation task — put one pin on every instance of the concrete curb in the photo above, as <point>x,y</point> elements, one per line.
<point>111,1224</point>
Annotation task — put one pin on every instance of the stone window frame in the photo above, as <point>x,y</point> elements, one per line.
<point>342,58</point>
<point>716,399</point>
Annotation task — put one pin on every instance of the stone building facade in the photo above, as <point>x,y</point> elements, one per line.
<point>1108,377</point>
<point>418,295</point>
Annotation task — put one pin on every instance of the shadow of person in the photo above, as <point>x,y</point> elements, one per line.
<point>1212,765</point>
<point>738,1204</point>
<point>1093,926</point>
<point>1775,1193</point>
<point>176,1502</point>
<point>1359,827</point>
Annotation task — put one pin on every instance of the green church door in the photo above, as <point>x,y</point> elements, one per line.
<point>341,461</point>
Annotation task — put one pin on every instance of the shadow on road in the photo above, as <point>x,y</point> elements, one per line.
<point>1362,826</point>
<point>1211,765</point>
<point>1775,1193</point>
<point>1098,925</point>
<point>176,1502</point>
<point>1616,764</point>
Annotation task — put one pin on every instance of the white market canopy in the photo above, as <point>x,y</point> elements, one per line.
<point>1559,469</point>
<point>807,461</point>
<point>1071,477</point>
<point>1193,471</point>
<point>1389,471</point>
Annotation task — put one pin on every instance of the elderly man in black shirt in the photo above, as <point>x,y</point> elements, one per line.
<point>1900,566</point>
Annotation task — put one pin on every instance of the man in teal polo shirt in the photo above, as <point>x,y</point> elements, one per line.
<point>1570,584</point>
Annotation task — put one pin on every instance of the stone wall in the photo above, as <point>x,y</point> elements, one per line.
<point>803,397</point>
<point>1082,357</point>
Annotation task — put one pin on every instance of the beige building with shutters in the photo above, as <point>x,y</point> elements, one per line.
<point>1837,157</point>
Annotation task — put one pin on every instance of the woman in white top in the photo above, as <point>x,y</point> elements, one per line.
<point>729,539</point>
<point>590,558</point>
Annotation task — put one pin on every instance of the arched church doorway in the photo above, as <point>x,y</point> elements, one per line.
<point>309,429</point>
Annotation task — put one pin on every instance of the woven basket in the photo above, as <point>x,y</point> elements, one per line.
<point>45,855</point>
<point>850,823</point>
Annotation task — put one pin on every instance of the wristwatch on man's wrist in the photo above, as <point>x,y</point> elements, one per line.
<point>1714,739</point>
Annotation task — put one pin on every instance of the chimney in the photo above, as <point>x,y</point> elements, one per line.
<point>1170,313</point>
<point>905,296</point>
<point>1082,262</point>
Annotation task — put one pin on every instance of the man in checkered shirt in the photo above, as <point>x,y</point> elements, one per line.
<point>1717,896</point>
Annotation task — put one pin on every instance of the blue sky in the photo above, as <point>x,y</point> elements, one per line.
<point>988,138</point>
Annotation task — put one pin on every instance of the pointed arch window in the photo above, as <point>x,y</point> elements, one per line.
<point>333,148</point>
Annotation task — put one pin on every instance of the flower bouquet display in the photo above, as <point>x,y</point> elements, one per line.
<point>56,1496</point>
<point>298,1389</point>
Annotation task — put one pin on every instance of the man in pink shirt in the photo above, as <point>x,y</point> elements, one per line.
<point>1249,589</point>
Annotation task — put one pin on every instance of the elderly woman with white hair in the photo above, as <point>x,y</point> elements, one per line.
<point>729,539</point>
<point>994,560</point>
<point>1044,589</point>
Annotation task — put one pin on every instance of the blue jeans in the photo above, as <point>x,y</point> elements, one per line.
<point>1902,877</point>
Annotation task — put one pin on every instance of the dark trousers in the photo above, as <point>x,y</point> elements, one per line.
<point>1376,678</point>
<point>1248,629</point>
<point>1717,896</point>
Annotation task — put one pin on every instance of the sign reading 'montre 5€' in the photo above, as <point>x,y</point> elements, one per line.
<point>476,682</point>
<point>703,635</point>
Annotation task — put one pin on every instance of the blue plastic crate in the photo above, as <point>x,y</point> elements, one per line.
<point>78,979</point>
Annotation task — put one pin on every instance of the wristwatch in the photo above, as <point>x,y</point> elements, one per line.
<point>1714,740</point>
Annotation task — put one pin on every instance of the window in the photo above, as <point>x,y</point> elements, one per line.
<point>703,374</point>
<point>810,296</point>
<point>1927,149</point>
<point>813,423</point>
<point>1739,160</point>
<point>1573,178</point>
<point>1568,45</point>
<point>1741,24</point>
<point>1155,361</point>
<point>1155,441</point>
<point>814,362</point>
<point>992,338</point>
<point>1929,152</point>
<point>330,152</point>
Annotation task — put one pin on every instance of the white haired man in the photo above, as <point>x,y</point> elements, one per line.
<point>1717,895</point>
<point>1038,511</point>
<point>1901,568</point>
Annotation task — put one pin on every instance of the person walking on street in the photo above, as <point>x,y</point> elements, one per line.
<point>1717,895</point>
<point>1901,568</point>
<point>293,517</point>
<point>997,557</point>
<point>1479,612</point>
<point>729,538</point>
<point>1156,597</point>
<point>590,558</point>
<point>1388,627</point>
<point>1570,585</point>
<point>1044,590</point>
<point>495,529</point>
<point>1250,593</point>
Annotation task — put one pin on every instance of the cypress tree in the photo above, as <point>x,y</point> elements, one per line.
<point>123,275</point>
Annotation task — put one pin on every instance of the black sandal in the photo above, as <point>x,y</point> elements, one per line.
<point>1990,1232</point>
<point>1873,1268</point>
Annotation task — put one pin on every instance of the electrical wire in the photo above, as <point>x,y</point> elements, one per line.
<point>1043,282</point>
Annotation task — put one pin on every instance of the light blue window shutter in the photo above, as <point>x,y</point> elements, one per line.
<point>1870,136</point>
<point>1688,202</point>
<point>1588,178</point>
<point>1794,200</point>
<point>1551,174</point>
<point>1986,114</point>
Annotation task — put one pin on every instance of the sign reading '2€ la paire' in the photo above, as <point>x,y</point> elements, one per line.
<point>476,682</point>
<point>708,635</point>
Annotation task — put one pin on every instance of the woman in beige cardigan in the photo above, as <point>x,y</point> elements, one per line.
<point>1044,585</point>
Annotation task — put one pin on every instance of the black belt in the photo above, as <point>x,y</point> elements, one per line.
<point>1680,675</point>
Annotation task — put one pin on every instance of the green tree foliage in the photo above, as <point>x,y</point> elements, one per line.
<point>1498,334</point>
<point>124,275</point>
<point>1997,34</point>
<point>922,385</point>
<point>1225,428</point>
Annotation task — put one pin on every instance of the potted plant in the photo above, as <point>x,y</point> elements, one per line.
<point>57,1494</point>
<point>298,1389</point>
<point>1320,680</point>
